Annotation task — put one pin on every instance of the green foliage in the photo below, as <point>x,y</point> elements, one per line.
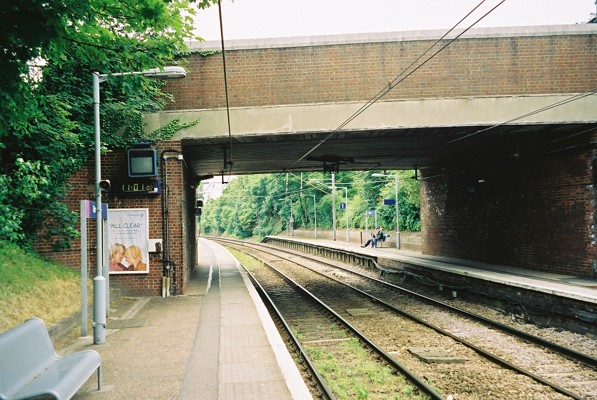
<point>46,101</point>
<point>32,286</point>
<point>260,205</point>
<point>17,279</point>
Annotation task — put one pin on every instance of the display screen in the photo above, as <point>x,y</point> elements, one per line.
<point>142,163</point>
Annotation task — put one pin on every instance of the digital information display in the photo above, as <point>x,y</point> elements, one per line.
<point>137,187</point>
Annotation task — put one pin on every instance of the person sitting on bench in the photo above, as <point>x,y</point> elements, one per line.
<point>375,238</point>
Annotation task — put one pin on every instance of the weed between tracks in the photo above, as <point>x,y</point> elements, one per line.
<point>352,374</point>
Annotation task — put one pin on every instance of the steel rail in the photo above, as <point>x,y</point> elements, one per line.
<point>295,342</point>
<point>586,359</point>
<point>492,357</point>
<point>489,356</point>
<point>422,385</point>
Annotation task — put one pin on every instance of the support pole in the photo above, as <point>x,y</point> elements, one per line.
<point>83,268</point>
<point>99,288</point>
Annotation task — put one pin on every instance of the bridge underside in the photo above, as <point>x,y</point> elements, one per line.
<point>388,135</point>
<point>377,149</point>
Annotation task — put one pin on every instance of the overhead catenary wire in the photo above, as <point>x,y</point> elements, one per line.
<point>227,162</point>
<point>575,97</point>
<point>531,113</point>
<point>403,75</point>
<point>396,81</point>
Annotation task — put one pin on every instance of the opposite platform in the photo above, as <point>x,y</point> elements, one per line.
<point>566,286</point>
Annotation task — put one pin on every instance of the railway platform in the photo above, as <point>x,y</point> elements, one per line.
<point>577,289</point>
<point>215,342</point>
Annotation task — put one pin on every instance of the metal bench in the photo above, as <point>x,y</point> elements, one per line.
<point>380,241</point>
<point>29,366</point>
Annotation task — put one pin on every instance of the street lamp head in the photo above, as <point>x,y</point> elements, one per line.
<point>166,73</point>
<point>380,175</point>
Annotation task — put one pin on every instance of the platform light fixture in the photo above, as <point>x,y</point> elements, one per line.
<point>99,282</point>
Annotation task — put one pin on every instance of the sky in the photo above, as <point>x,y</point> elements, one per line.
<point>250,19</point>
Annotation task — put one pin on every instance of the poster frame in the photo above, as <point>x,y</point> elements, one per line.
<point>128,227</point>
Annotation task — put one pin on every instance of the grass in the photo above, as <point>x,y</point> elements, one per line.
<point>33,287</point>
<point>353,375</point>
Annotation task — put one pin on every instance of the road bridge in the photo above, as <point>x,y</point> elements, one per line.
<point>501,124</point>
<point>487,95</point>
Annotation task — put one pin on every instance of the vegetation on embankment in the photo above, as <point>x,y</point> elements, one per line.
<point>260,205</point>
<point>33,287</point>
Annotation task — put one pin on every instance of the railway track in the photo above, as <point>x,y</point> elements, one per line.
<point>345,363</point>
<point>392,318</point>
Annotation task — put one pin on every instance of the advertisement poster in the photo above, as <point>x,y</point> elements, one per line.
<point>128,231</point>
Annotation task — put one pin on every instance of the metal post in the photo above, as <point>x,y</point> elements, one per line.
<point>106,269</point>
<point>397,213</point>
<point>99,282</point>
<point>334,205</point>
<point>291,220</point>
<point>315,214</point>
<point>83,268</point>
<point>346,212</point>
<point>99,312</point>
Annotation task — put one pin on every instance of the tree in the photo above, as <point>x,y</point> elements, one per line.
<point>261,205</point>
<point>49,50</point>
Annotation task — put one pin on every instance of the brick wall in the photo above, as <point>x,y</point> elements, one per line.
<point>496,66</point>
<point>79,190</point>
<point>179,214</point>
<point>536,212</point>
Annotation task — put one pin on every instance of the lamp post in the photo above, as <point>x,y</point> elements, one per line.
<point>334,206</point>
<point>314,213</point>
<point>99,282</point>
<point>396,203</point>
<point>345,210</point>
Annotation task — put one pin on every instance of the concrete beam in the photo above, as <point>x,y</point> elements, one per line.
<point>478,111</point>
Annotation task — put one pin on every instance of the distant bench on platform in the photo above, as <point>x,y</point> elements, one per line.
<point>29,366</point>
<point>383,239</point>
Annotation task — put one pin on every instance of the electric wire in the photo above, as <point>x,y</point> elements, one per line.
<point>226,162</point>
<point>396,81</point>
<point>537,111</point>
<point>530,113</point>
<point>402,77</point>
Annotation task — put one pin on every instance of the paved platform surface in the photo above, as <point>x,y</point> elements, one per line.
<point>215,342</point>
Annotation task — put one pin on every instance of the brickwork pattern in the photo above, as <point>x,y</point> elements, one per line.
<point>534,213</point>
<point>180,221</point>
<point>501,66</point>
<point>537,214</point>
